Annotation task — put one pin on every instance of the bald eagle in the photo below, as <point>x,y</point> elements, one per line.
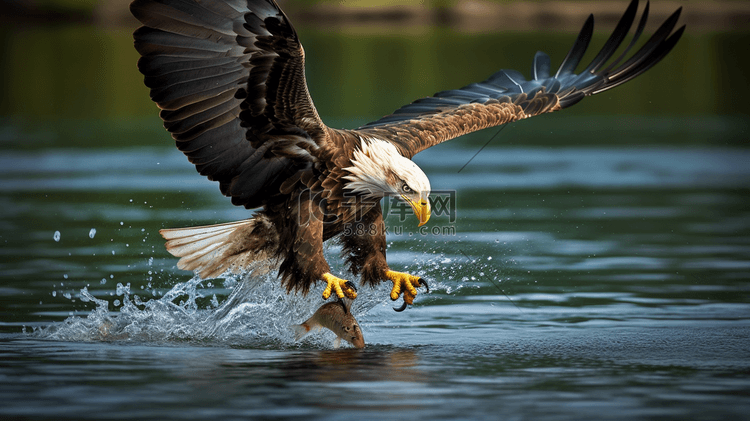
<point>229,78</point>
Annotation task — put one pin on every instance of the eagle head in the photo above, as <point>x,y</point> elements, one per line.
<point>379,170</point>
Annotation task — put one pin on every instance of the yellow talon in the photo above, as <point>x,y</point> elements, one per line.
<point>342,287</point>
<point>408,298</point>
<point>407,283</point>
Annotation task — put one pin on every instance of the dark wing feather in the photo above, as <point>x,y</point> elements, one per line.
<point>229,78</point>
<point>507,96</point>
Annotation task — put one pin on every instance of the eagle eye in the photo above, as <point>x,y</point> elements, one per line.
<point>406,189</point>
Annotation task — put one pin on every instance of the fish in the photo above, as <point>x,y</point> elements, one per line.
<point>336,317</point>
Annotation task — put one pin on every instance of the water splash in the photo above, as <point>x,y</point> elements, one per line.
<point>257,313</point>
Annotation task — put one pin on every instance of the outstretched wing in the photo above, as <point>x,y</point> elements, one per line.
<point>506,96</point>
<point>229,78</point>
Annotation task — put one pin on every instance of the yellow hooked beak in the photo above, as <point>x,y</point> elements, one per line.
<point>421,209</point>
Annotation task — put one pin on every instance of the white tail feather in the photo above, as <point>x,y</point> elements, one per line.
<point>214,249</point>
<point>182,236</point>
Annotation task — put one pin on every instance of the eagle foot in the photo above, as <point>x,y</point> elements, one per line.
<point>406,283</point>
<point>342,287</point>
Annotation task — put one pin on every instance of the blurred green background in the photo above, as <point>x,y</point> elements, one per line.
<point>68,73</point>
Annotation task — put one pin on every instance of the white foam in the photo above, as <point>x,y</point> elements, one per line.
<point>257,313</point>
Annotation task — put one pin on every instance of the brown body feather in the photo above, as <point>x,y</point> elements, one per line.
<point>228,76</point>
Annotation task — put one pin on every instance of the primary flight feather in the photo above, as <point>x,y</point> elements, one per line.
<point>229,78</point>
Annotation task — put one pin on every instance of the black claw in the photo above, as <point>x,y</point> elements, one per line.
<point>351,285</point>
<point>423,282</point>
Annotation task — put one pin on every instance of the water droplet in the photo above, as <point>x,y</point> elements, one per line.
<point>65,275</point>
<point>56,237</point>
<point>103,281</point>
<point>54,293</point>
<point>92,232</point>
<point>123,289</point>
